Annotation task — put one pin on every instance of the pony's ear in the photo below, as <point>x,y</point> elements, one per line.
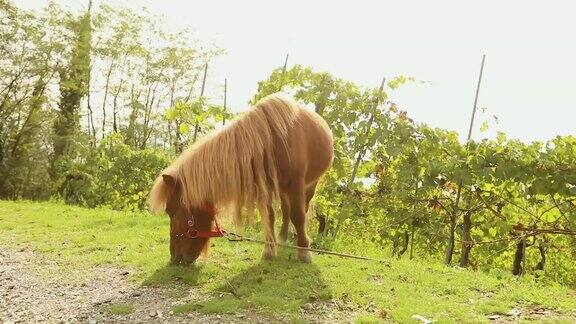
<point>169,180</point>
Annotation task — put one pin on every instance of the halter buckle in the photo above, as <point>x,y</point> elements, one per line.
<point>192,233</point>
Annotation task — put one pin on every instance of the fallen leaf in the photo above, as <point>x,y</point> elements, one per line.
<point>514,312</point>
<point>422,319</point>
<point>383,313</point>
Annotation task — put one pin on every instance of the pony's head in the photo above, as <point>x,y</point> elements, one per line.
<point>185,221</point>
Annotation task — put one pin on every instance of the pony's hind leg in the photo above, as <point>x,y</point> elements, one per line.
<point>309,195</point>
<point>297,196</point>
<point>286,210</point>
<point>285,204</point>
<point>267,214</point>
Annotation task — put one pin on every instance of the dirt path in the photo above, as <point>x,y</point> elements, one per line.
<point>33,288</point>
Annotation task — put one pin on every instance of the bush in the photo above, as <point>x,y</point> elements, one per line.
<point>114,174</point>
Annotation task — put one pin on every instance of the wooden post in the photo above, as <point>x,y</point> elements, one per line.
<point>204,80</point>
<point>285,63</point>
<point>283,72</point>
<point>476,99</point>
<point>466,244</point>
<point>197,126</point>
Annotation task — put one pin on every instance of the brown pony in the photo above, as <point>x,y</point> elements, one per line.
<point>276,149</point>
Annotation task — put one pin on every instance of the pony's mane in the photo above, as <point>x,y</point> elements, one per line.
<point>235,166</point>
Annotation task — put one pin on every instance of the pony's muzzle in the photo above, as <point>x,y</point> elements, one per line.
<point>182,259</point>
<point>175,259</point>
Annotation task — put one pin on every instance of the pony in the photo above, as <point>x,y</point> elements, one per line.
<point>276,150</point>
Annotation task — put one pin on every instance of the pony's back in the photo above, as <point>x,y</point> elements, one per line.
<point>236,166</point>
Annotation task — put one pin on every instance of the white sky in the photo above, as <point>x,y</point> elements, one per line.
<point>529,77</point>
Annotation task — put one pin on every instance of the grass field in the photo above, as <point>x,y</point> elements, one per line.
<point>238,280</point>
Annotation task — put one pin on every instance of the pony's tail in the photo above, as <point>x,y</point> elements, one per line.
<point>281,113</point>
<point>158,195</point>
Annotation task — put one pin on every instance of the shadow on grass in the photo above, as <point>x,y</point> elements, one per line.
<point>171,274</point>
<point>280,286</point>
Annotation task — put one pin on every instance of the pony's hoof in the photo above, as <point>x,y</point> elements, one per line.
<point>268,253</point>
<point>304,256</point>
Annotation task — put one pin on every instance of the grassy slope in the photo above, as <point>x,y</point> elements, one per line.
<point>82,238</point>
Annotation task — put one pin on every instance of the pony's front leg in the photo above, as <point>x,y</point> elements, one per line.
<point>285,204</point>
<point>267,214</point>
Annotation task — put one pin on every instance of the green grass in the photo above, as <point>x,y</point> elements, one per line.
<point>234,279</point>
<point>367,319</point>
<point>120,309</point>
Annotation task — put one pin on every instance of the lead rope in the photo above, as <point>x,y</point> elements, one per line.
<point>233,237</point>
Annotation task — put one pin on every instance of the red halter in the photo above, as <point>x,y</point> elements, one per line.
<point>193,233</point>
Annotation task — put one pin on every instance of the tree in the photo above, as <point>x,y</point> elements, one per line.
<point>27,60</point>
<point>74,81</point>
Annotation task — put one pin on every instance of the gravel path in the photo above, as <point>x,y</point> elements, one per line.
<point>34,288</point>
